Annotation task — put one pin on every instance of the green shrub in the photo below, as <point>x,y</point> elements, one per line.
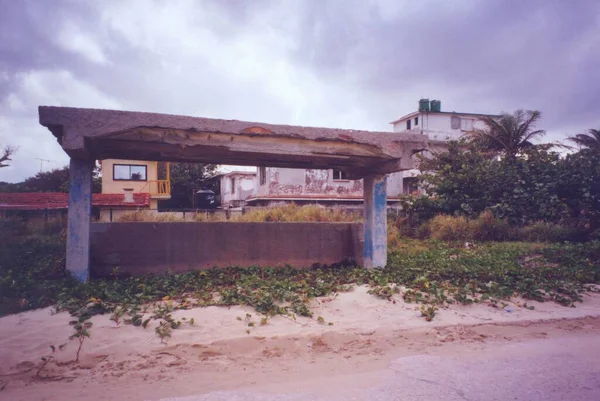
<point>486,227</point>
<point>423,231</point>
<point>416,211</point>
<point>32,268</point>
<point>542,231</point>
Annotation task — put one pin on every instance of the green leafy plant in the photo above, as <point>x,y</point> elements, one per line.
<point>117,314</point>
<point>163,331</point>
<point>428,312</point>
<point>81,328</point>
<point>46,359</point>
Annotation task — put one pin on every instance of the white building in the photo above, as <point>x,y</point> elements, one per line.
<point>280,185</point>
<point>235,187</point>
<point>439,125</point>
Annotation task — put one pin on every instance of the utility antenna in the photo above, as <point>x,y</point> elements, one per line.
<point>42,162</point>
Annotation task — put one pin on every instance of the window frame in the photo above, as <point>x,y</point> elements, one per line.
<point>262,176</point>
<point>341,174</point>
<point>416,121</point>
<point>455,122</point>
<point>408,124</point>
<point>466,124</point>
<point>145,166</point>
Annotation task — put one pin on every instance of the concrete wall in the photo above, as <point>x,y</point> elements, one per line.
<point>153,215</point>
<point>287,181</point>
<point>142,248</point>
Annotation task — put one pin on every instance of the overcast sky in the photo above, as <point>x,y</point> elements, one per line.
<point>334,63</point>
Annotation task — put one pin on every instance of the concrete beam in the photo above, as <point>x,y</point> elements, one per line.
<point>79,218</point>
<point>375,227</point>
<point>100,134</point>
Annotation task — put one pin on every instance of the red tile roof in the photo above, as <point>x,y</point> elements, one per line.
<point>59,200</point>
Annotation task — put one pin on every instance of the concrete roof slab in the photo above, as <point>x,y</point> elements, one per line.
<point>101,134</point>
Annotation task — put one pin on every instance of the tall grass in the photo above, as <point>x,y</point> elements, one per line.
<point>288,213</point>
<point>449,228</point>
<point>148,215</point>
<point>294,213</point>
<point>486,227</point>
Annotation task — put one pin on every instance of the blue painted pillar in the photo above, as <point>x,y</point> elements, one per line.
<point>375,201</point>
<point>79,218</point>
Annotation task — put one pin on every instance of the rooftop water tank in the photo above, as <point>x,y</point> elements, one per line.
<point>424,105</point>
<point>436,106</point>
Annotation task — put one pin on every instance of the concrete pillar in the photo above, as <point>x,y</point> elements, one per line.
<point>375,203</point>
<point>79,218</point>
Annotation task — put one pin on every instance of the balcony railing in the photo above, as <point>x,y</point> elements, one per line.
<point>157,188</point>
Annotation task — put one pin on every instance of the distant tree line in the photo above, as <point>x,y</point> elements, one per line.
<point>56,180</point>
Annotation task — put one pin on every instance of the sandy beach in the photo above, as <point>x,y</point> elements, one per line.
<point>226,349</point>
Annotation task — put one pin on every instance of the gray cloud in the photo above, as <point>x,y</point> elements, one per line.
<point>335,63</point>
<point>537,54</point>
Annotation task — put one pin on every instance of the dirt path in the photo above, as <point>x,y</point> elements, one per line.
<point>549,368</point>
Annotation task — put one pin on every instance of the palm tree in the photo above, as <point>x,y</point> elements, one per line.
<point>509,134</point>
<point>591,140</point>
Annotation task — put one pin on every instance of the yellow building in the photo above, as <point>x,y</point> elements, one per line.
<point>132,178</point>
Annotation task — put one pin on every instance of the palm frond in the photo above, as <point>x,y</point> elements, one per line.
<point>591,140</point>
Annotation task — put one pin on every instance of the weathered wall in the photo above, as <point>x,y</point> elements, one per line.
<point>244,187</point>
<point>301,182</point>
<point>141,248</point>
<point>394,184</point>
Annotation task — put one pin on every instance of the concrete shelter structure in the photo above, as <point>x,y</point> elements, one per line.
<point>87,135</point>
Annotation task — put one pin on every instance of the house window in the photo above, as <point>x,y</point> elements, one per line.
<point>466,124</point>
<point>408,124</point>
<point>262,174</point>
<point>232,185</point>
<point>340,175</point>
<point>410,185</point>
<point>416,121</point>
<point>129,172</point>
<point>455,122</point>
